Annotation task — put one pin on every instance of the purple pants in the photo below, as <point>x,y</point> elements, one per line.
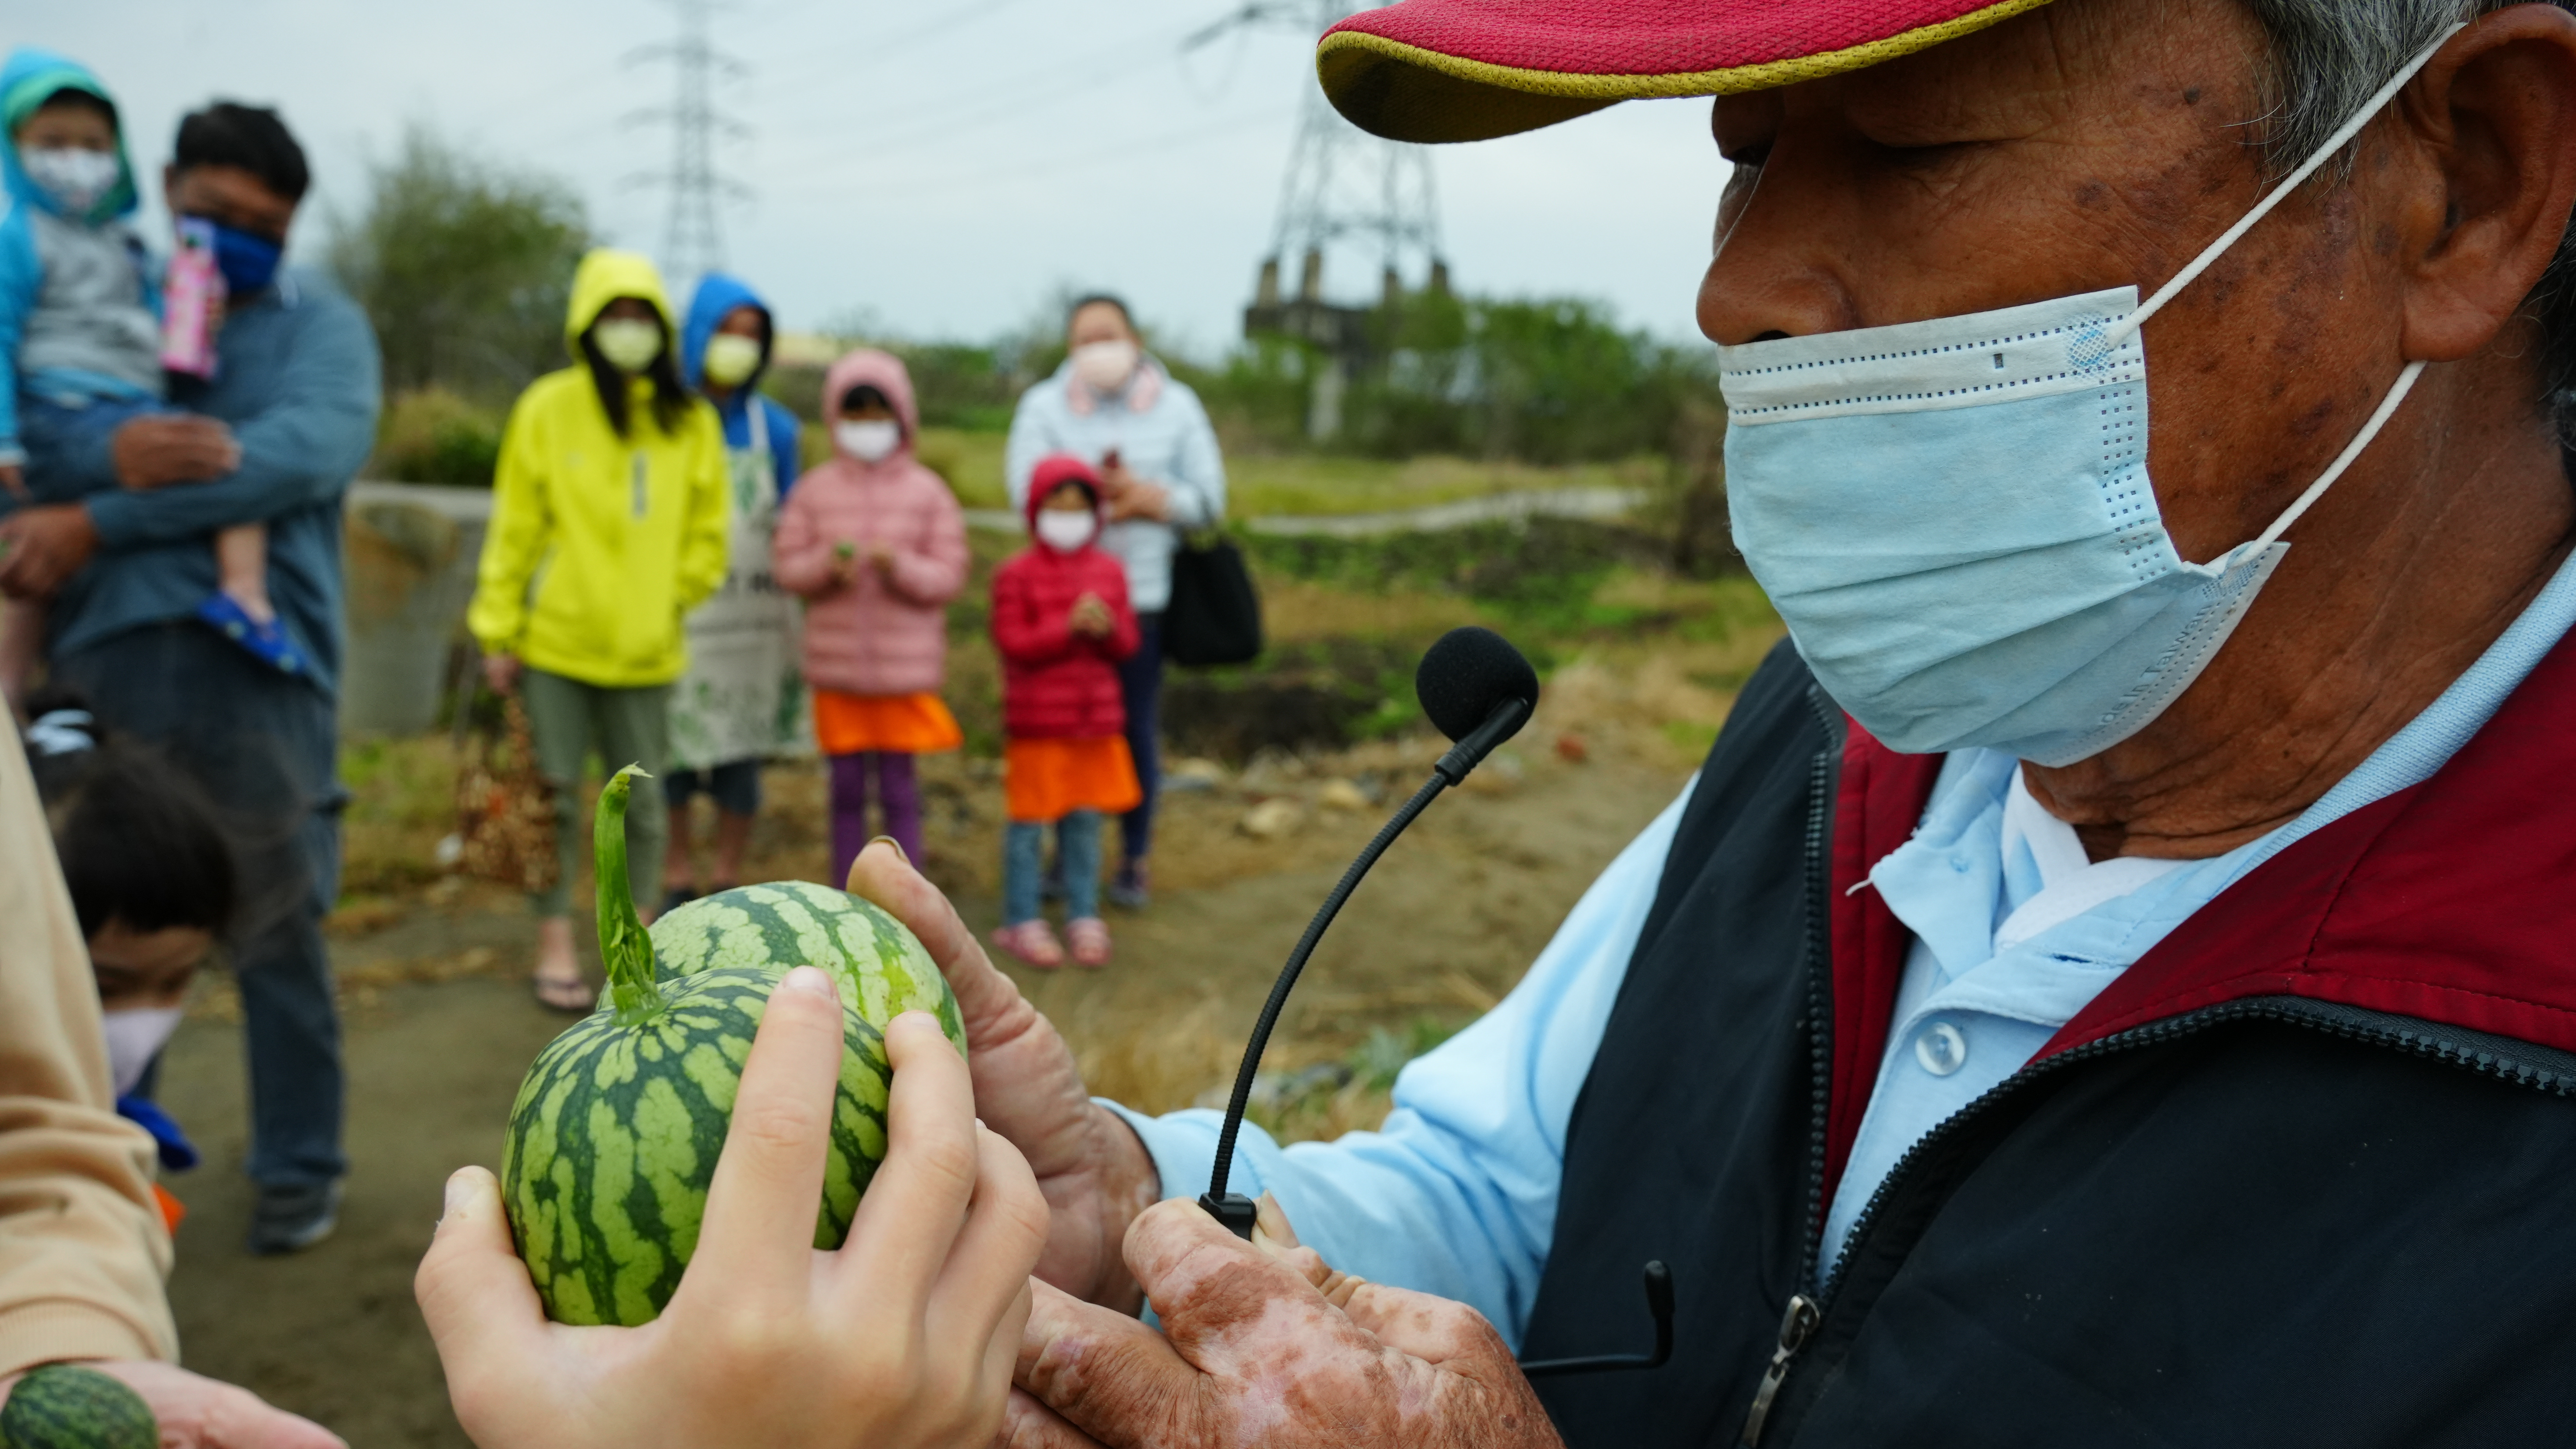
<point>898,795</point>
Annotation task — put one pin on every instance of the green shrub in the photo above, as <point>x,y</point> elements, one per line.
<point>431,435</point>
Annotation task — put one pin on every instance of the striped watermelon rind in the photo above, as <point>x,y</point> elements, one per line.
<point>883,968</point>
<point>66,1406</point>
<point>614,1137</point>
<point>616,1131</point>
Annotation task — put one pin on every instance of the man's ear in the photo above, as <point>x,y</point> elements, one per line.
<point>2494,118</point>
<point>170,188</point>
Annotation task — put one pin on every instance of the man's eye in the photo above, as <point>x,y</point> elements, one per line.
<point>1750,157</point>
<point>1925,157</point>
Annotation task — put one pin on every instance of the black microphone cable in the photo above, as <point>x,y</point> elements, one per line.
<point>1479,690</point>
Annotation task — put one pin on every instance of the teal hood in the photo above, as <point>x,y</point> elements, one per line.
<point>29,79</point>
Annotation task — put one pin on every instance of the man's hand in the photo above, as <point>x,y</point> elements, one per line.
<point>200,1413</point>
<point>1095,1174</point>
<point>159,449</point>
<point>1092,617</point>
<point>1255,1352</point>
<point>42,547</point>
<point>13,481</point>
<point>903,1337</point>
<point>501,671</point>
<point>880,557</point>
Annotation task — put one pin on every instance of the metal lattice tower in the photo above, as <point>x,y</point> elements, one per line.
<point>692,242</point>
<point>1346,191</point>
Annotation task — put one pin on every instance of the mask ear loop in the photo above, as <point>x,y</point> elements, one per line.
<point>2120,331</point>
<point>2352,450</point>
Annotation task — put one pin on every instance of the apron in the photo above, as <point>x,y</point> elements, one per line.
<point>743,697</point>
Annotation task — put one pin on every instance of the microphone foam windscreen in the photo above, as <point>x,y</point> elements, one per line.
<point>1466,674</point>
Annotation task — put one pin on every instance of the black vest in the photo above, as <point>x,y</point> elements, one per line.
<point>2274,1222</point>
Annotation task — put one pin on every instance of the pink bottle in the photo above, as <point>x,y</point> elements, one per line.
<point>192,299</point>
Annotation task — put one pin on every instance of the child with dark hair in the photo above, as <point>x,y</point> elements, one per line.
<point>609,524</point>
<point>875,544</point>
<point>152,881</point>
<point>81,346</point>
<point>1062,623</point>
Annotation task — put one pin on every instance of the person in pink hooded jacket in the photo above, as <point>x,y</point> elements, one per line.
<point>876,545</point>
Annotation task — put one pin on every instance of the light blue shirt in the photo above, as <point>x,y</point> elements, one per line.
<point>1456,1194</point>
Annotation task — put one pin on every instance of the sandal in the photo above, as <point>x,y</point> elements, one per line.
<point>572,995</point>
<point>1031,943</point>
<point>1089,940</point>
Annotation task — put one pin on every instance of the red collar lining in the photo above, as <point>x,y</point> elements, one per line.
<point>2453,901</point>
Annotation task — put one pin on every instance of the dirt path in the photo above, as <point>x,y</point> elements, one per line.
<point>439,1034</point>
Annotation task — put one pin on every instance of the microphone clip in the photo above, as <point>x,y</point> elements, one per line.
<point>1232,1209</point>
<point>1464,756</point>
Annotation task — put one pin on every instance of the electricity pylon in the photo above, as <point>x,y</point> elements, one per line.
<point>1343,185</point>
<point>692,243</point>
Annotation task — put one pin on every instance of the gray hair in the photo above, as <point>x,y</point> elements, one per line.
<point>2328,57</point>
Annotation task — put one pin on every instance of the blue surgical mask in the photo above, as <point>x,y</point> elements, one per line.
<point>1954,517</point>
<point>248,262</point>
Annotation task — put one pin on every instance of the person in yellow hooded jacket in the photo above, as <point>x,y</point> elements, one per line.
<point>608,524</point>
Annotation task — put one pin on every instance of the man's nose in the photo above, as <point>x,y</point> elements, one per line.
<point>1776,271</point>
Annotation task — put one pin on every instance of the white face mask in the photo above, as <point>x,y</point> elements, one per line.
<point>1104,367</point>
<point>628,344</point>
<point>134,1037</point>
<point>730,359</point>
<point>76,179</point>
<point>869,442</point>
<point>1066,531</point>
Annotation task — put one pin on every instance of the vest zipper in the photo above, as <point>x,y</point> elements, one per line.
<point>1820,1005</point>
<point>2497,1057</point>
<point>1804,1312</point>
<point>1795,1326</point>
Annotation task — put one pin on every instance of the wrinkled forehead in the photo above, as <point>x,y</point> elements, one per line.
<point>2081,71</point>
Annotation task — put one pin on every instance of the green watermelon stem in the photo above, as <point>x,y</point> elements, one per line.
<point>623,947</point>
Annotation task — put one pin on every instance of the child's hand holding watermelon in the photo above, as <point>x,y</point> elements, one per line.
<point>905,1335</point>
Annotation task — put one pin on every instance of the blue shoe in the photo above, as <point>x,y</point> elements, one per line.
<point>266,642</point>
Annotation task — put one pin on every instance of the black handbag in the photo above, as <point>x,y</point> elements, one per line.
<point>1214,616</point>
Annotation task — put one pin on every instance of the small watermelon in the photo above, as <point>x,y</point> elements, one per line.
<point>66,1406</point>
<point>617,1128</point>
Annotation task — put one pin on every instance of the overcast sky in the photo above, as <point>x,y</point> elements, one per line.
<point>942,166</point>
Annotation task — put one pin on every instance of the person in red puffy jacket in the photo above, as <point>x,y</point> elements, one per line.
<point>1062,622</point>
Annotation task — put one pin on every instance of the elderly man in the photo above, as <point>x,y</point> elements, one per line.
<point>288,418</point>
<point>2112,981</point>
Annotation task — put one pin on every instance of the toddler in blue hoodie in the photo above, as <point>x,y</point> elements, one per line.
<point>80,342</point>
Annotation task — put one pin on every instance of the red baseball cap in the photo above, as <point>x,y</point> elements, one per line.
<point>1464,70</point>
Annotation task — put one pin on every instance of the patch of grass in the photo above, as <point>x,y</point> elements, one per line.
<point>1291,485</point>
<point>1309,485</point>
<point>402,799</point>
<point>1691,737</point>
<point>971,462</point>
<point>1353,1094</point>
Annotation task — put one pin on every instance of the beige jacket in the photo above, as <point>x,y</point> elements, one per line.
<point>82,1249</point>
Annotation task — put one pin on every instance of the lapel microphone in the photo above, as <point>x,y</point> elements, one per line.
<point>1479,691</point>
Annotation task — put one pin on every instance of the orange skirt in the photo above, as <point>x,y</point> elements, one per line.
<point>1045,780</point>
<point>903,724</point>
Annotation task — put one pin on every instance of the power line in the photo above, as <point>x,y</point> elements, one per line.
<point>998,100</point>
<point>1180,139</point>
